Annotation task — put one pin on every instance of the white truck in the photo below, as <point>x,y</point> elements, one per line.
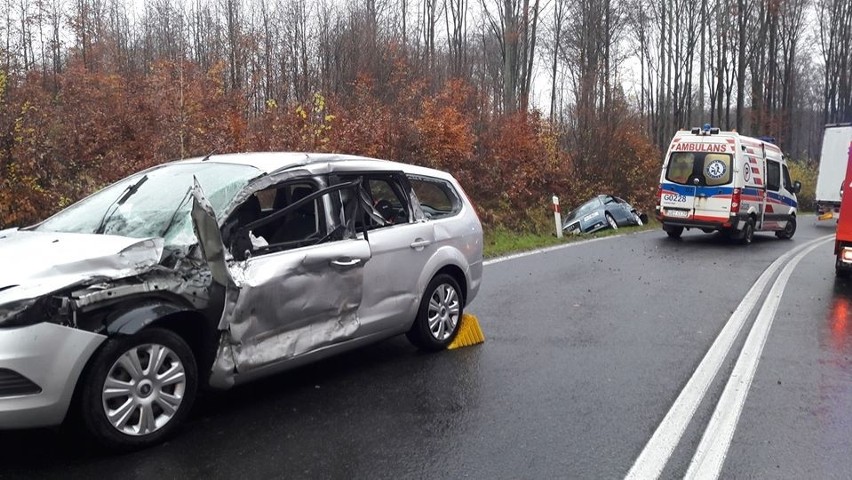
<point>836,142</point>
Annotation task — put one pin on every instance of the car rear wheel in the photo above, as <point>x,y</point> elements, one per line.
<point>637,218</point>
<point>138,389</point>
<point>611,221</point>
<point>439,315</point>
<point>789,230</point>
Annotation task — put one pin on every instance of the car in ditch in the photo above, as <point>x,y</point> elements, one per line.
<point>211,272</point>
<point>602,212</point>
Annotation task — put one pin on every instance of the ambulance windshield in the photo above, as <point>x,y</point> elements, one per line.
<point>710,169</point>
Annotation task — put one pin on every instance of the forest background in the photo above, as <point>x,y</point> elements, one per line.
<point>519,99</point>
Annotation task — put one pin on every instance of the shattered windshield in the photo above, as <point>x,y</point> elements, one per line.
<point>155,203</point>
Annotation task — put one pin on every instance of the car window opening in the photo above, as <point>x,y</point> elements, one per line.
<point>285,217</point>
<point>699,169</point>
<point>436,197</point>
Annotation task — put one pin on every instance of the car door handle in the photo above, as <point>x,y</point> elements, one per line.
<point>420,243</point>
<point>351,262</point>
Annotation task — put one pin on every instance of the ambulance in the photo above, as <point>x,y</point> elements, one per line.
<point>727,182</point>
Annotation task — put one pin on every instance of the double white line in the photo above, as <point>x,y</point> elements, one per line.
<point>711,452</point>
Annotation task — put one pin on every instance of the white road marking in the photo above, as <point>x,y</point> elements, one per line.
<point>710,455</point>
<point>556,247</point>
<point>659,448</point>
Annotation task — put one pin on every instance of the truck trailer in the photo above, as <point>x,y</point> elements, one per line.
<point>836,141</point>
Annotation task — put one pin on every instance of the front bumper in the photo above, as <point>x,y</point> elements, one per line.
<point>585,227</point>
<point>50,356</point>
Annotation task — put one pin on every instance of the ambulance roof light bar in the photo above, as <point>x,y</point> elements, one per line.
<point>706,130</point>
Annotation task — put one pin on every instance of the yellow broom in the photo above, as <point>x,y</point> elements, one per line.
<point>470,333</point>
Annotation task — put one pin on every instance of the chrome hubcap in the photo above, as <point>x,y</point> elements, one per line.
<point>144,389</point>
<point>444,308</point>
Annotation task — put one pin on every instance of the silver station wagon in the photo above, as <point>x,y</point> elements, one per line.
<point>214,271</point>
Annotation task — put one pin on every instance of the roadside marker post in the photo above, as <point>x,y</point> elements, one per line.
<point>557,217</point>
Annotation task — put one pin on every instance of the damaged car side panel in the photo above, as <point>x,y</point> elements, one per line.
<point>292,302</point>
<point>281,304</point>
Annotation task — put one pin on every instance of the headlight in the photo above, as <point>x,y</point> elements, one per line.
<point>29,311</point>
<point>12,314</point>
<point>591,216</point>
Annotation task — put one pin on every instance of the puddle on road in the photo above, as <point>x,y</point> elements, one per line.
<point>835,386</point>
<point>838,336</point>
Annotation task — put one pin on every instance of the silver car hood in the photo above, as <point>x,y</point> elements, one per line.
<point>36,263</point>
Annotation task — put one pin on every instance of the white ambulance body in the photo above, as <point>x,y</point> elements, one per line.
<point>727,182</point>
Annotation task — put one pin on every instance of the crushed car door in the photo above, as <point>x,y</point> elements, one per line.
<point>290,301</point>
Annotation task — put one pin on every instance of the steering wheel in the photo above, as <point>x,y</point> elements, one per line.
<point>386,209</point>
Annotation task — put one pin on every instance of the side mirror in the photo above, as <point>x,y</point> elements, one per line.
<point>797,186</point>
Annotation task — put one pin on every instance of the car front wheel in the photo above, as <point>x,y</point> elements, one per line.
<point>138,389</point>
<point>439,315</point>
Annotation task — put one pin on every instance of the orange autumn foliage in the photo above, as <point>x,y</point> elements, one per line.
<point>97,126</point>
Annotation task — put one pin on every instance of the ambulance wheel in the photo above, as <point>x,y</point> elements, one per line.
<point>674,232</point>
<point>611,222</point>
<point>748,232</point>
<point>788,231</point>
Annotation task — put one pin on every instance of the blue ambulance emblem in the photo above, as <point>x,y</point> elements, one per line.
<point>716,169</point>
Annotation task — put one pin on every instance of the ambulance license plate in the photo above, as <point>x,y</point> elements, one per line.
<point>677,213</point>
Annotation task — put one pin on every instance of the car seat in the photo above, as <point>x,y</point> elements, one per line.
<point>299,224</point>
<point>248,212</point>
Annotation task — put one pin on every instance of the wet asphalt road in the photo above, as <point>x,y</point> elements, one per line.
<point>587,348</point>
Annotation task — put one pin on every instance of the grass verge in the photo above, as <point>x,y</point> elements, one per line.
<point>499,241</point>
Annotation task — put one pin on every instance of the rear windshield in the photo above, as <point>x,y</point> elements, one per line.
<point>709,169</point>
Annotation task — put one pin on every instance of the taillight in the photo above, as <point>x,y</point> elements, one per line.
<point>736,197</point>
<point>659,194</point>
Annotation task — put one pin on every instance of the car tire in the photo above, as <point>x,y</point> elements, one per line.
<point>789,229</point>
<point>154,402</point>
<point>638,219</point>
<point>840,270</point>
<point>674,232</point>
<point>747,234</point>
<point>439,314</point>
<point>611,221</point>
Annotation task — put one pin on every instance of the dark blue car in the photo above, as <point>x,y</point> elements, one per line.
<point>601,212</point>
